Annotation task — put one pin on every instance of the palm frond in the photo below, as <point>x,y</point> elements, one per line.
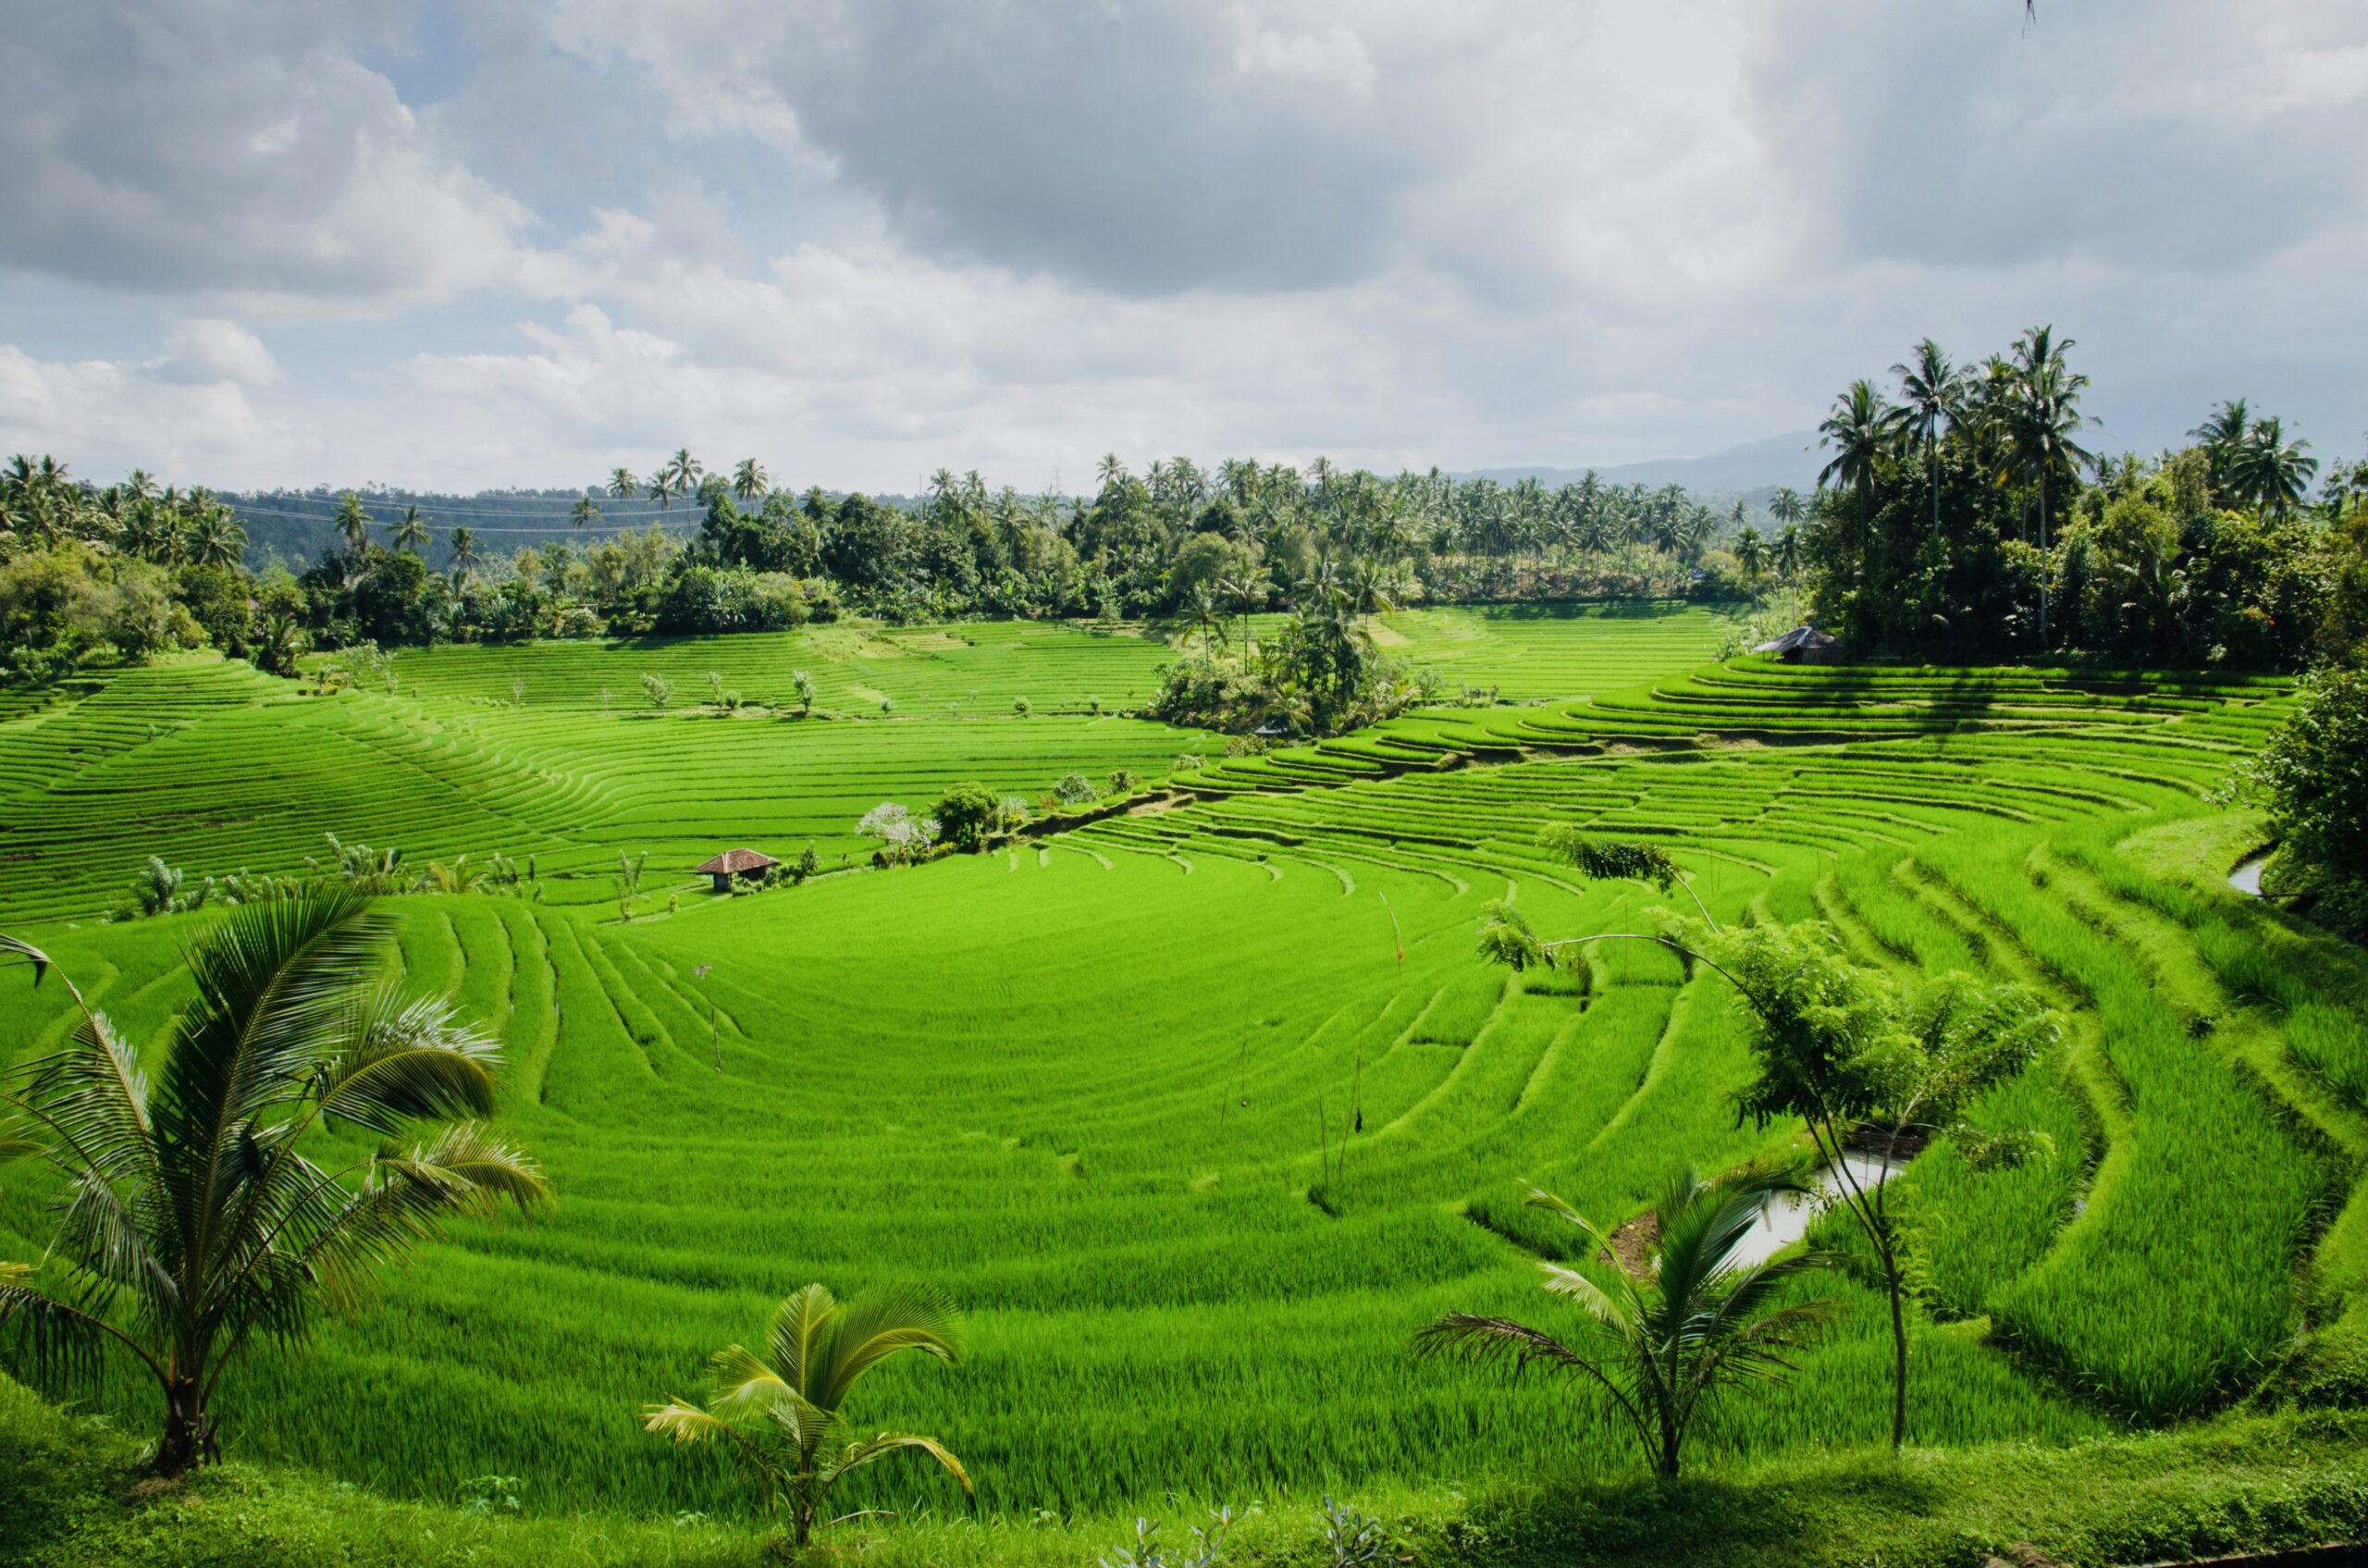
<point>408,1059</point>
<point>1471,1337</point>
<point>886,1443</point>
<point>15,948</point>
<point>1757,1352</point>
<point>92,1099</point>
<point>405,1198</point>
<point>1752,1289</point>
<point>473,1170</point>
<point>271,981</point>
<point>687,1425</point>
<point>1701,1232</point>
<point>801,1324</point>
<point>43,1335</point>
<point>1570,1284</point>
<point>682,1421</point>
<point>102,1236</point>
<point>21,1139</point>
<point>882,1322</point>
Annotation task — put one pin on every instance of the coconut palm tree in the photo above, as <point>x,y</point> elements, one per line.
<point>2271,471</point>
<point>464,550</point>
<point>1366,587</point>
<point>622,485</point>
<point>685,471</point>
<point>1928,389</point>
<point>218,538</point>
<point>1247,593</point>
<point>748,480</point>
<point>1786,506</point>
<point>353,523</point>
<point>1751,554</point>
<point>660,489</point>
<point>2044,417</point>
<point>584,512</point>
<point>1669,1334</point>
<point>1201,607</point>
<point>277,642</point>
<point>1859,430</point>
<point>779,1411</point>
<point>149,532</point>
<point>2223,437</point>
<point>1788,550</point>
<point>409,534</point>
<point>193,1222</point>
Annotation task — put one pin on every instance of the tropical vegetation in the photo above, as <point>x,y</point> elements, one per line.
<point>1683,1320</point>
<point>194,1222</point>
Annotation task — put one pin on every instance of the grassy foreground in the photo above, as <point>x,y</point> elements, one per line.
<point>2253,1483</point>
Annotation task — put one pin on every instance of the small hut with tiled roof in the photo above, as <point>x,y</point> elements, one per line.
<point>737,863</point>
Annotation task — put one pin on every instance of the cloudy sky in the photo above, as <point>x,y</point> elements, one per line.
<point>520,241</point>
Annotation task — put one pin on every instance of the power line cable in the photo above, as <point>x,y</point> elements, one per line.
<point>557,526</point>
<point>446,511</point>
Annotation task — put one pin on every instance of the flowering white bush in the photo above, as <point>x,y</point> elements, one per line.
<point>902,835</point>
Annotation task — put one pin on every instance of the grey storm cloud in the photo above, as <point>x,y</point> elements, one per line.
<point>1126,146</point>
<point>2187,134</point>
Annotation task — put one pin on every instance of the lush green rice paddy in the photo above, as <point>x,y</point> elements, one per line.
<point>1200,1110</point>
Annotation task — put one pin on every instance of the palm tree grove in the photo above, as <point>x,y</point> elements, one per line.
<point>1299,784</point>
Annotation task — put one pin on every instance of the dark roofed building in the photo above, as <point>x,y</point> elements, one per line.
<point>1804,644</point>
<point>737,863</point>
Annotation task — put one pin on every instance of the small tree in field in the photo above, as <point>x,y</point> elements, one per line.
<point>1665,1337</point>
<point>967,813</point>
<point>778,1411</point>
<point>1854,1056</point>
<point>196,1220</point>
<point>805,684</point>
<point>659,689</point>
<point>1839,1046</point>
<point>2312,776</point>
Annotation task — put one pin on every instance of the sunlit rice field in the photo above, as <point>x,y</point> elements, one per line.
<point>1200,1110</point>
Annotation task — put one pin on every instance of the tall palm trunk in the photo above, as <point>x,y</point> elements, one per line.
<point>2043,643</point>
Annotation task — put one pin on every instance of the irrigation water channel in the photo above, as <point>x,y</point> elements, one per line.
<point>1786,1218</point>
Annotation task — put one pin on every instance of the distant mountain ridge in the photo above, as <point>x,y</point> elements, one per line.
<point>1755,466</point>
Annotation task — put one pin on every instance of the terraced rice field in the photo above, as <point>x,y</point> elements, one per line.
<point>1200,1110</point>
<point>552,750</point>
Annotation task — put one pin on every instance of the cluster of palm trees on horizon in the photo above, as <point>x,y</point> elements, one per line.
<point>680,474</point>
<point>2020,411</point>
<point>40,499</point>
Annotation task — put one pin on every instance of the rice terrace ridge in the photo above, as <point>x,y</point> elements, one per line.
<point>921,998</point>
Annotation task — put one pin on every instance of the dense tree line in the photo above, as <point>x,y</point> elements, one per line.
<point>1964,521</point>
<point>131,569</point>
